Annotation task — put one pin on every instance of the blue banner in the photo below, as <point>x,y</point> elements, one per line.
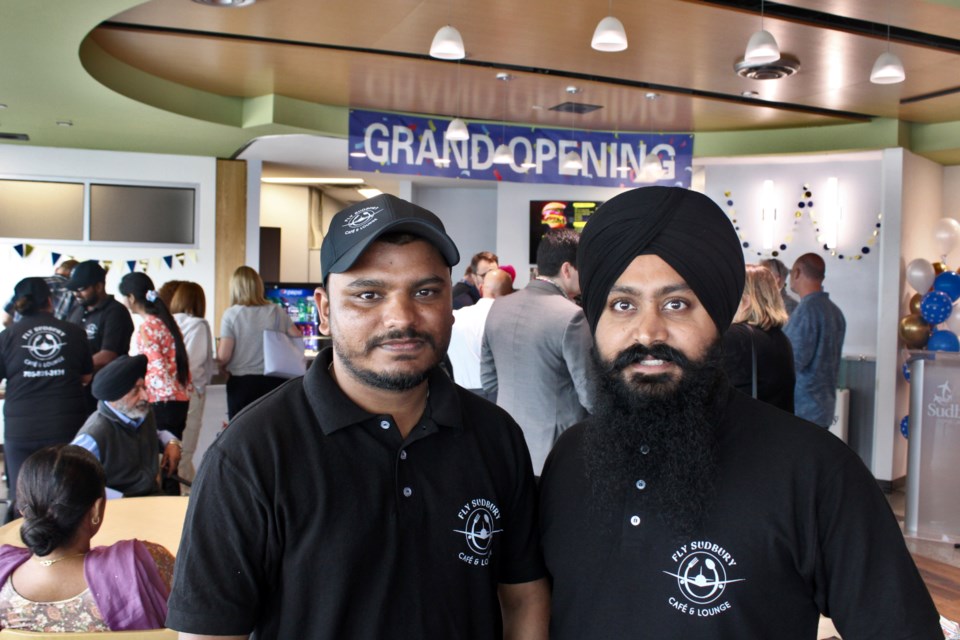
<point>415,145</point>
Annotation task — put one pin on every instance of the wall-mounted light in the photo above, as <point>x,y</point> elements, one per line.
<point>832,212</point>
<point>768,216</point>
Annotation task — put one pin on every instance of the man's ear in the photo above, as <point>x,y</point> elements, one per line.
<point>322,301</point>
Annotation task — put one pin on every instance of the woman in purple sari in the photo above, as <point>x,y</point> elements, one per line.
<point>59,583</point>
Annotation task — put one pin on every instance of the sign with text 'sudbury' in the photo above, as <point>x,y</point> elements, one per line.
<point>415,145</point>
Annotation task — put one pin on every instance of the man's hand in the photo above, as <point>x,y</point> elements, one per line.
<point>171,457</point>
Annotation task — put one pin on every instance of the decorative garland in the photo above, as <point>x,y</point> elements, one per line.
<point>864,249</point>
<point>765,253</point>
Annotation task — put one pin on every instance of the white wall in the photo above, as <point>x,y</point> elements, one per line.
<point>852,284</point>
<point>287,207</point>
<point>18,162</point>
<point>469,216</point>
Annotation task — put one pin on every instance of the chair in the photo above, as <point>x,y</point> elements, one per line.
<point>155,634</point>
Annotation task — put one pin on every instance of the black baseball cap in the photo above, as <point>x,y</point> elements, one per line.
<point>35,287</point>
<point>85,274</point>
<point>353,229</point>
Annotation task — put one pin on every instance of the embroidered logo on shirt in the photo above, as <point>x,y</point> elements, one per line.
<point>91,330</point>
<point>359,220</point>
<point>701,576</point>
<point>480,518</point>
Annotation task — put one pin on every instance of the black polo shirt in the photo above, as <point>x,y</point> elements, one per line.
<point>311,518</point>
<point>108,325</point>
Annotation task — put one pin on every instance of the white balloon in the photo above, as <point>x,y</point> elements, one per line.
<point>946,233</point>
<point>953,322</point>
<point>920,275</point>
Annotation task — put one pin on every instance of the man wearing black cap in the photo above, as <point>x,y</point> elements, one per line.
<point>107,322</point>
<point>684,508</point>
<point>372,498</point>
<point>122,433</point>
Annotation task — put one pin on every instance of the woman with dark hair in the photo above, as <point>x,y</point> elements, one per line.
<point>58,583</point>
<point>159,338</point>
<point>189,306</point>
<point>240,351</point>
<point>46,362</point>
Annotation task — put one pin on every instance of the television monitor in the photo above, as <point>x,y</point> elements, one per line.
<point>296,298</point>
<point>557,214</point>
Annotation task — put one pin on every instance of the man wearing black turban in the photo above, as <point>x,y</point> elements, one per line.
<point>683,508</point>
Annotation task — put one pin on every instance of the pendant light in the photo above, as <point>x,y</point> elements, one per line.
<point>457,129</point>
<point>762,47</point>
<point>448,44</point>
<point>502,154</point>
<point>609,34</point>
<point>571,160</point>
<point>888,69</point>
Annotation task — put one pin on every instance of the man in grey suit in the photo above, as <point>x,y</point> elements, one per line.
<point>536,349</point>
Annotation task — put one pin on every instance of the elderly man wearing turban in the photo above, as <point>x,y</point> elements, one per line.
<point>683,508</point>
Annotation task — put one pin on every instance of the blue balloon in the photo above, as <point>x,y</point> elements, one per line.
<point>936,307</point>
<point>906,371</point>
<point>943,340</point>
<point>949,283</point>
<point>905,427</point>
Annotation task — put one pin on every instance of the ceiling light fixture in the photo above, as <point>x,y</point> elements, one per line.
<point>888,69</point>
<point>609,36</point>
<point>330,181</point>
<point>448,44</point>
<point>457,129</point>
<point>762,46</point>
<point>64,123</point>
<point>358,154</point>
<point>502,154</point>
<point>571,160</point>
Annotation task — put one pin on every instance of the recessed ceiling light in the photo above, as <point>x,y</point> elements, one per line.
<point>358,154</point>
<point>3,106</point>
<point>749,94</point>
<point>651,95</point>
<point>64,123</point>
<point>330,181</point>
<point>226,3</point>
<point>573,90</point>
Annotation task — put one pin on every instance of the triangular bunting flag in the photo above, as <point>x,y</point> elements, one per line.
<point>193,256</point>
<point>106,264</point>
<point>19,249</point>
<point>55,257</point>
<point>181,258</point>
<point>132,265</point>
<point>144,264</point>
<point>28,250</point>
<point>169,261</point>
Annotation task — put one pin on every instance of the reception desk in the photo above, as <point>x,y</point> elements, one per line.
<point>932,509</point>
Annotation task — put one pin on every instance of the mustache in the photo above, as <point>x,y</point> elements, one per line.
<point>408,334</point>
<point>639,352</point>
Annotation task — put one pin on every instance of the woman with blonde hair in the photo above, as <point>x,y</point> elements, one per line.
<point>189,304</point>
<point>757,356</point>
<point>240,351</point>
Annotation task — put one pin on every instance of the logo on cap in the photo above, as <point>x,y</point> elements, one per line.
<point>359,220</point>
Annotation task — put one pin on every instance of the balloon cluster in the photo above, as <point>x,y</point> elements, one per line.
<point>938,290</point>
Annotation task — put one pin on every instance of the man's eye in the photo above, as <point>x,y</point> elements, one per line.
<point>676,305</point>
<point>368,295</point>
<point>621,305</point>
<point>426,293</point>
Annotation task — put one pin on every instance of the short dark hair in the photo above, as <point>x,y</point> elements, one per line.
<point>812,266</point>
<point>56,488</point>
<point>489,256</point>
<point>556,247</point>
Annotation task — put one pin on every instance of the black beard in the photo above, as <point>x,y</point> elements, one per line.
<point>675,418</point>
<point>381,379</point>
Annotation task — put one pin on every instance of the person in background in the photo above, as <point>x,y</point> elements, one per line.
<point>816,330</point>
<point>46,363</point>
<point>108,323</point>
<point>682,508</point>
<point>780,272</point>
<point>372,498</point>
<point>59,583</point>
<point>168,366</point>
<point>240,351</point>
<point>167,291</point>
<point>756,353</point>
<point>122,434</point>
<point>467,291</point>
<point>536,349</point>
<point>467,336</point>
<point>61,298</point>
<point>189,306</point>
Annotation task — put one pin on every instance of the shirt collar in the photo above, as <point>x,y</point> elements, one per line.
<point>124,418</point>
<point>100,305</point>
<point>334,410</point>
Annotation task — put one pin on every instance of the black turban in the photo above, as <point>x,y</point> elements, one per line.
<point>119,377</point>
<point>684,228</point>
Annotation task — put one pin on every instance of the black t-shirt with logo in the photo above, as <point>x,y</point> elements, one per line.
<point>316,519</point>
<point>797,526</point>
<point>43,360</point>
<point>108,325</point>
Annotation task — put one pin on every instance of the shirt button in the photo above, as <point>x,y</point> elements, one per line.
<point>407,492</point>
<point>403,455</point>
<point>635,521</point>
<point>644,449</point>
<point>384,424</point>
<point>641,484</point>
